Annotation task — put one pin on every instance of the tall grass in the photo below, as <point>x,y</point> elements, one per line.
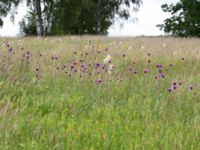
<point>58,93</point>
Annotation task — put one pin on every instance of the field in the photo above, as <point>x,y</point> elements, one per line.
<point>93,93</point>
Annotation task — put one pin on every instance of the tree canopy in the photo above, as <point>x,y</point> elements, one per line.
<point>58,17</point>
<point>185,19</point>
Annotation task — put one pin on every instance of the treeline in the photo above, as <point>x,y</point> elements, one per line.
<point>61,17</point>
<point>184,20</point>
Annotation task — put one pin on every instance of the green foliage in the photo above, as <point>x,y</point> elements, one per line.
<point>83,17</point>
<point>8,6</point>
<point>27,25</point>
<point>185,20</point>
<point>1,22</point>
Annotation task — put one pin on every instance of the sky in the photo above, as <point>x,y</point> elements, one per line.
<point>149,15</point>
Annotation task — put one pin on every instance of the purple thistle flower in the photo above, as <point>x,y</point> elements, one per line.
<point>162,75</point>
<point>191,87</point>
<point>159,66</point>
<point>130,68</point>
<point>98,81</point>
<point>64,66</point>
<point>37,69</point>
<point>74,63</point>
<point>169,90</point>
<point>72,66</point>
<point>146,70</point>
<point>149,54</point>
<point>135,72</point>
<point>98,64</point>
<point>174,87</point>
<point>10,49</point>
<point>171,65</point>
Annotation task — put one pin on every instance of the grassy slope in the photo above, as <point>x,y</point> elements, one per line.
<point>126,111</point>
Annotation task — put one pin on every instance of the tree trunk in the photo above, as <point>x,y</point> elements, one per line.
<point>98,15</point>
<point>38,17</point>
<point>50,18</point>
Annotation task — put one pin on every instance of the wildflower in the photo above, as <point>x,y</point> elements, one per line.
<point>98,81</point>
<point>130,68</point>
<point>146,70</point>
<point>149,61</point>
<point>10,49</point>
<point>64,66</point>
<point>72,66</point>
<point>123,55</point>
<point>169,90</point>
<point>37,69</point>
<point>191,87</point>
<point>135,72</point>
<point>159,66</point>
<point>110,69</point>
<point>180,82</point>
<point>149,54</point>
<point>162,75</point>
<point>174,87</point>
<point>98,65</point>
<point>107,59</point>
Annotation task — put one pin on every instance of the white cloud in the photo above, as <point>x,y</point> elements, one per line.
<point>149,15</point>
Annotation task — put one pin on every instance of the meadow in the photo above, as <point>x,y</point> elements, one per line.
<point>93,93</point>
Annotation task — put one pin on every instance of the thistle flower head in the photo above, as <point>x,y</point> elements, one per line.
<point>159,66</point>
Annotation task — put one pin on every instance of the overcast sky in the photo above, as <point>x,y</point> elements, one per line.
<point>149,15</point>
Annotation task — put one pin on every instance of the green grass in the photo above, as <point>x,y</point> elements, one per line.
<point>126,111</point>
